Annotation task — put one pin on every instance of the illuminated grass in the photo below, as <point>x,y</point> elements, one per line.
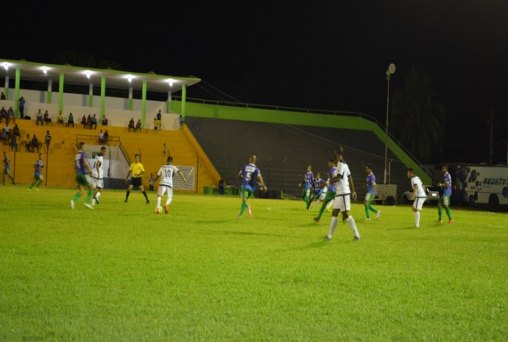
<point>121,272</point>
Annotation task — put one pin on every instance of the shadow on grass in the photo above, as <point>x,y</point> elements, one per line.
<point>254,233</point>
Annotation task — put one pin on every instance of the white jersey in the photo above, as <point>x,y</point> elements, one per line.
<point>98,167</point>
<point>166,173</point>
<point>420,191</point>
<point>342,184</point>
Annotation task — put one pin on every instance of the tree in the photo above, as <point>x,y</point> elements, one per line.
<point>417,118</point>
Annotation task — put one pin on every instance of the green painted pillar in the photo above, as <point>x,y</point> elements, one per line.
<point>143,105</point>
<point>90,95</point>
<point>184,97</point>
<point>49,95</point>
<point>131,101</point>
<point>103,97</point>
<point>16,93</point>
<point>61,92</point>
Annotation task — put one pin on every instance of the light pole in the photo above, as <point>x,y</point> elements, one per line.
<point>389,72</point>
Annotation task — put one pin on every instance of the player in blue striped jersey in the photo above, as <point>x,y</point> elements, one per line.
<point>38,165</point>
<point>371,193</point>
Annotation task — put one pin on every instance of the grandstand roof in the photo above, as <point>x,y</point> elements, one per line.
<point>84,76</point>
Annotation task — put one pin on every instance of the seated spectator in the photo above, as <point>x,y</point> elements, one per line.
<point>59,119</point>
<point>83,121</point>
<point>14,143</point>
<point>47,140</point>
<point>93,122</point>
<point>2,97</point>
<point>39,119</point>
<point>4,137</point>
<point>130,127</point>
<point>104,120</point>
<point>47,119</point>
<point>35,144</point>
<point>70,120</point>
<point>16,132</point>
<point>106,136</point>
<point>28,143</point>
<point>138,125</point>
<point>101,137</point>
<point>3,114</point>
<point>10,115</point>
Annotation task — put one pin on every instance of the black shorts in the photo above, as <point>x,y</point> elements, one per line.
<point>136,181</point>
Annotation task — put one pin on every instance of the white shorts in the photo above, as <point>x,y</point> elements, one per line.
<point>342,202</point>
<point>165,190</point>
<point>98,183</point>
<point>418,203</point>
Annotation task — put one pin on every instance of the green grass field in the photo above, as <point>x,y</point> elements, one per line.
<point>120,272</point>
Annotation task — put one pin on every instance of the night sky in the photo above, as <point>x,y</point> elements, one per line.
<point>306,54</point>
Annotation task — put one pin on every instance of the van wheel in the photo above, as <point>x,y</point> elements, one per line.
<point>493,203</point>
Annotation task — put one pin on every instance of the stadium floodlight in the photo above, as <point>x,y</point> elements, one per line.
<point>44,70</point>
<point>389,72</point>
<point>129,78</point>
<point>170,81</point>
<point>6,65</point>
<point>88,73</point>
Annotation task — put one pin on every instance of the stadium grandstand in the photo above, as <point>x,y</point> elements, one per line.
<point>209,140</point>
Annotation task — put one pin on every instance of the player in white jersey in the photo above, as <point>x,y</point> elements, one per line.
<point>165,174</point>
<point>345,190</point>
<point>98,175</point>
<point>419,194</point>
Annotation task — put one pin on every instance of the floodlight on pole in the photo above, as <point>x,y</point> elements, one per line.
<point>389,72</point>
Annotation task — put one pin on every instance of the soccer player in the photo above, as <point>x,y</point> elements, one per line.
<point>330,192</point>
<point>165,174</point>
<point>249,174</point>
<point>317,186</point>
<point>419,195</point>
<point>445,194</point>
<point>38,165</point>
<point>98,175</point>
<point>308,181</point>
<point>83,171</point>
<point>7,169</point>
<point>345,191</point>
<point>371,193</point>
<point>136,169</point>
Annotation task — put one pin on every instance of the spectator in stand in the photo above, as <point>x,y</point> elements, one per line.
<point>101,137</point>
<point>104,120</point>
<point>83,121</point>
<point>16,132</point>
<point>21,107</point>
<point>138,126</point>
<point>89,121</point>
<point>2,97</point>
<point>59,119</point>
<point>130,127</point>
<point>155,125</point>
<point>3,114</point>
<point>28,143</point>
<point>47,140</point>
<point>106,136</point>
<point>70,120</point>
<point>93,122</point>
<point>14,143</point>
<point>47,119</point>
<point>35,144</point>
<point>39,120</point>
<point>10,115</point>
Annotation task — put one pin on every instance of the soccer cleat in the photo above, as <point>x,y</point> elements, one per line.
<point>367,219</point>
<point>72,204</point>
<point>37,189</point>
<point>89,206</point>
<point>378,214</point>
<point>328,237</point>
<point>158,210</point>
<point>147,202</point>
<point>166,208</point>
<point>316,219</point>
<point>439,221</point>
<point>357,238</point>
<point>29,189</point>
<point>451,221</point>
<point>96,200</point>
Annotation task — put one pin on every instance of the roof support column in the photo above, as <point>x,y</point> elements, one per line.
<point>61,92</point>
<point>130,101</point>
<point>90,95</point>
<point>6,86</point>
<point>49,94</point>
<point>143,104</point>
<point>184,98</point>
<point>168,102</point>
<point>103,97</point>
<point>16,92</point>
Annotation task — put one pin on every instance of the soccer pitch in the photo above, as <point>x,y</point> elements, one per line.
<point>121,272</point>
